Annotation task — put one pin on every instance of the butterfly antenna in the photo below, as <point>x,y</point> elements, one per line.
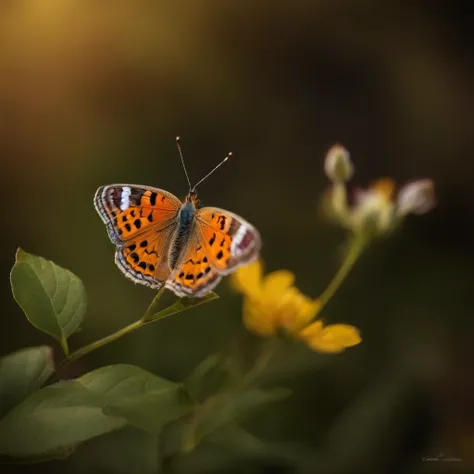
<point>212,171</point>
<point>182,161</point>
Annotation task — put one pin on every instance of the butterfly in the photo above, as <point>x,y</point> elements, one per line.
<point>182,245</point>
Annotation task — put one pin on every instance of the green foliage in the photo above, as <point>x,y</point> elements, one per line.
<point>143,399</point>
<point>212,375</point>
<point>219,411</point>
<point>60,415</point>
<point>38,424</point>
<point>23,372</point>
<point>53,299</point>
<point>103,400</point>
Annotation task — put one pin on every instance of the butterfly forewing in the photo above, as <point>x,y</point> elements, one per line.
<point>141,221</point>
<point>130,210</point>
<point>227,239</point>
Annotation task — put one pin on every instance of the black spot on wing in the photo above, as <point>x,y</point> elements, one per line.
<point>222,222</point>
<point>153,198</point>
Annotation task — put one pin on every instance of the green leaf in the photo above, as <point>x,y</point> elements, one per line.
<point>143,399</point>
<point>224,409</point>
<point>60,453</point>
<point>64,414</point>
<point>23,372</point>
<point>57,416</point>
<point>181,305</point>
<point>214,373</point>
<point>151,411</point>
<point>53,298</point>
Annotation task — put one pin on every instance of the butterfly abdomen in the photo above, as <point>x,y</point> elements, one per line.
<point>185,223</point>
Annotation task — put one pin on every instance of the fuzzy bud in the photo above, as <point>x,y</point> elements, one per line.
<point>338,165</point>
<point>417,197</point>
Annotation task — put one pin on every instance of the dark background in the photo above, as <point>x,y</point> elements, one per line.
<point>94,92</point>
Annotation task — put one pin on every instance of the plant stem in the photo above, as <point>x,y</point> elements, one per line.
<point>266,354</point>
<point>105,340</point>
<point>64,345</point>
<point>73,356</point>
<point>355,250</point>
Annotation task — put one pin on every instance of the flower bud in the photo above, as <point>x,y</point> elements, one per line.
<point>338,164</point>
<point>417,197</point>
<point>373,214</point>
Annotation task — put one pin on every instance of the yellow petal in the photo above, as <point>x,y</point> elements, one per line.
<point>248,279</point>
<point>301,312</point>
<point>257,318</point>
<point>275,285</point>
<point>331,339</point>
<point>312,330</point>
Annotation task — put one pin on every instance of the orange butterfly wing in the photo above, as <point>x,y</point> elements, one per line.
<point>228,240</point>
<point>130,210</point>
<point>193,275</point>
<point>141,221</point>
<point>220,241</point>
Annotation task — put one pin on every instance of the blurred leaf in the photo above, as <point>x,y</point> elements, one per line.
<point>57,416</point>
<point>125,451</point>
<point>23,372</point>
<point>53,298</point>
<point>152,410</point>
<point>143,399</point>
<point>230,449</point>
<point>221,410</point>
<point>181,305</point>
<point>60,453</point>
<point>212,374</point>
<point>66,413</point>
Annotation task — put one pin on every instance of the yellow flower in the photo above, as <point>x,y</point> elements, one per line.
<point>333,338</point>
<point>272,303</point>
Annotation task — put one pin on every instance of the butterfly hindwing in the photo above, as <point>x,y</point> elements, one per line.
<point>193,275</point>
<point>227,239</point>
<point>145,259</point>
<point>130,210</point>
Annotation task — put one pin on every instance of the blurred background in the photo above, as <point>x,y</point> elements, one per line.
<point>94,92</point>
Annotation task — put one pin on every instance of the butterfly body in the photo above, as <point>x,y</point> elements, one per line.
<point>163,241</point>
<point>185,224</point>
